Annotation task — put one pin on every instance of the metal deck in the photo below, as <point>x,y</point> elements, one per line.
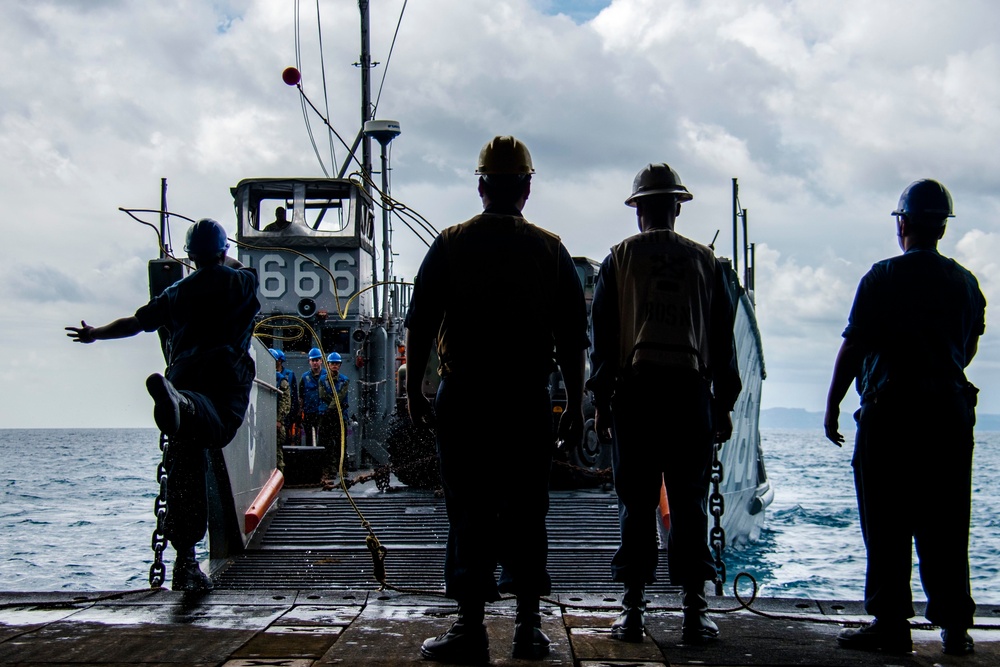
<point>315,540</point>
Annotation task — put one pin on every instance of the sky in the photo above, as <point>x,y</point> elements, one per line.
<point>824,111</point>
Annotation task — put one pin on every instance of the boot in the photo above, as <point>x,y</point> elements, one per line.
<point>697,627</point>
<point>530,643</point>
<point>169,405</point>
<point>956,641</point>
<point>466,642</point>
<point>888,635</point>
<point>187,575</point>
<point>630,626</point>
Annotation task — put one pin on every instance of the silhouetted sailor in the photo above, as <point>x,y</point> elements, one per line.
<point>204,397</point>
<point>913,329</point>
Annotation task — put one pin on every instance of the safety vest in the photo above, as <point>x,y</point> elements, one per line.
<point>665,285</point>
<point>312,401</point>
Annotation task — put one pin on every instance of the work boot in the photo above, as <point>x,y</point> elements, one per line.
<point>956,641</point>
<point>879,635</point>
<point>530,643</point>
<point>697,627</point>
<point>187,575</point>
<point>466,642</point>
<point>168,404</point>
<point>630,626</point>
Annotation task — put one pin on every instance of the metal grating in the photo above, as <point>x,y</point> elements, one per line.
<point>316,541</point>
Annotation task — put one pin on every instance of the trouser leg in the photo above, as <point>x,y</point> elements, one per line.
<point>187,495</point>
<point>885,521</point>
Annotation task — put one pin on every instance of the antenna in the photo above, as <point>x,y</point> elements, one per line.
<point>384,131</point>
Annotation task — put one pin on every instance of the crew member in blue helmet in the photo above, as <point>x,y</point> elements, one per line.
<point>287,374</point>
<point>203,399</point>
<point>314,393</point>
<point>333,421</point>
<point>913,329</point>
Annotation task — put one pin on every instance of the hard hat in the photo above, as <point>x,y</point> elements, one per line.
<point>658,179</point>
<point>333,357</point>
<point>505,155</point>
<point>278,354</point>
<point>315,353</point>
<point>926,200</point>
<point>205,239</point>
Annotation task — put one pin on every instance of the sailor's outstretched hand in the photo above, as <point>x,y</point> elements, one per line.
<point>570,432</point>
<point>82,334</point>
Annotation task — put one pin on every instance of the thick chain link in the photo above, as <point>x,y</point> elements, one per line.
<point>158,571</point>
<point>717,506</point>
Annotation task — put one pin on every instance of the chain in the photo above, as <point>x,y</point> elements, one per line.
<point>158,571</point>
<point>717,505</point>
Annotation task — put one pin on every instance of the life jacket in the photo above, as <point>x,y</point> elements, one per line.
<point>312,402</point>
<point>665,285</point>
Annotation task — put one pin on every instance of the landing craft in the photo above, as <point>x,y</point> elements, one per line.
<point>321,286</point>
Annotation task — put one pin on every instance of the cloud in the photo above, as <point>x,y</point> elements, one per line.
<point>824,111</point>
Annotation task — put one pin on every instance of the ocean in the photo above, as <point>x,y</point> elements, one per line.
<point>76,515</point>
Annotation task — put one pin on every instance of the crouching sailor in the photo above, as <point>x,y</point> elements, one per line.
<point>201,402</point>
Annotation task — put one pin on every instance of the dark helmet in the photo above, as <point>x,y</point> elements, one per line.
<point>206,239</point>
<point>925,200</point>
<point>505,156</point>
<point>658,179</point>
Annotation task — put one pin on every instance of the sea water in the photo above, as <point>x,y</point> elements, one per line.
<point>76,515</point>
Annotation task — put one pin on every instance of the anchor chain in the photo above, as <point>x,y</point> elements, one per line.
<point>717,506</point>
<point>158,571</point>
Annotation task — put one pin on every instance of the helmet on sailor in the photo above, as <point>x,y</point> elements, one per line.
<point>658,179</point>
<point>278,354</point>
<point>205,239</point>
<point>333,358</point>
<point>925,201</point>
<point>315,353</point>
<point>505,155</point>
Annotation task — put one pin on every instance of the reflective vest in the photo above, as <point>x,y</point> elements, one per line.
<point>665,285</point>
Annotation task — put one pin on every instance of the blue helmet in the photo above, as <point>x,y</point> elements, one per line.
<point>277,354</point>
<point>925,200</point>
<point>206,239</point>
<point>315,353</point>
<point>333,358</point>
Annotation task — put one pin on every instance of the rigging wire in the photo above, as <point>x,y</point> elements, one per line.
<point>322,66</point>
<point>302,98</point>
<point>385,70</point>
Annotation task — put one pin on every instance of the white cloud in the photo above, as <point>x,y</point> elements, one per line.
<point>824,111</point>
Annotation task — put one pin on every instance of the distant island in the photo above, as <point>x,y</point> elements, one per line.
<point>800,418</point>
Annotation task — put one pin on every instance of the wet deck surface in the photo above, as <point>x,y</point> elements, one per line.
<point>305,628</point>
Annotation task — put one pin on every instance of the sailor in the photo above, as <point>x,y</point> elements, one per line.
<point>666,379</point>
<point>495,445</point>
<point>333,420</point>
<point>913,329</point>
<point>287,374</point>
<point>314,393</point>
<point>284,409</point>
<point>280,222</point>
<point>204,397</point>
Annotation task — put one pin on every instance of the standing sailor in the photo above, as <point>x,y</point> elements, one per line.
<point>495,445</point>
<point>204,397</point>
<point>666,376</point>
<point>913,329</point>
